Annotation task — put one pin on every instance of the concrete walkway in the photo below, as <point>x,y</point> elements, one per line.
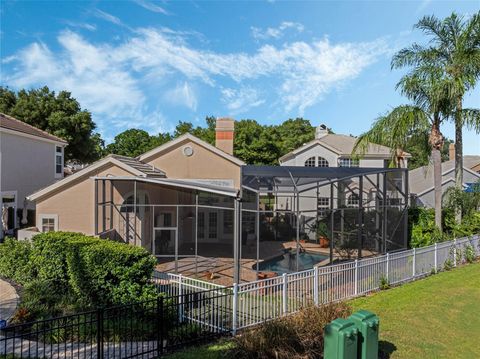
<point>8,300</point>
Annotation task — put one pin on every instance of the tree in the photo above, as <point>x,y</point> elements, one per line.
<point>430,106</point>
<point>60,115</point>
<point>454,48</point>
<point>134,142</point>
<point>207,134</point>
<point>255,144</point>
<point>293,133</point>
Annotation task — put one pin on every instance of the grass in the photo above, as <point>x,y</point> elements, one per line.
<point>436,317</point>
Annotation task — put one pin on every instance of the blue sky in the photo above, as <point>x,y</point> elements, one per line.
<point>148,64</point>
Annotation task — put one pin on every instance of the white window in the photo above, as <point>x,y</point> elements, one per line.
<point>310,162</point>
<point>353,200</point>
<point>58,161</point>
<point>323,202</point>
<point>348,162</point>
<point>322,162</point>
<point>48,222</point>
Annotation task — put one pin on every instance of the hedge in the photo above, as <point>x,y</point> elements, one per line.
<point>95,271</point>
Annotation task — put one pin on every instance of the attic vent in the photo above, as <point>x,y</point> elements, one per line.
<point>188,151</point>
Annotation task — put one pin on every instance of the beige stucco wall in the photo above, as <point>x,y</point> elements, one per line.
<point>203,164</point>
<point>27,165</point>
<point>74,204</point>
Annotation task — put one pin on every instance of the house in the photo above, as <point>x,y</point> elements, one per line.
<point>421,179</point>
<point>30,159</point>
<point>200,209</point>
<point>185,162</point>
<point>333,150</point>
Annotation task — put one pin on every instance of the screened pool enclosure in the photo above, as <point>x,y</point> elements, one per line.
<point>282,219</point>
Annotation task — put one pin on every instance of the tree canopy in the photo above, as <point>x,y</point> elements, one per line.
<point>59,114</point>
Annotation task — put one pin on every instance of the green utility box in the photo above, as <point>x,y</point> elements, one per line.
<point>368,326</point>
<point>340,340</point>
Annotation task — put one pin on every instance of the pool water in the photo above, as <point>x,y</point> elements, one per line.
<point>286,263</point>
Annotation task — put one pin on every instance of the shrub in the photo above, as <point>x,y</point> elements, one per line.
<point>111,273</point>
<point>469,254</point>
<point>15,261</point>
<point>384,283</point>
<point>297,336</point>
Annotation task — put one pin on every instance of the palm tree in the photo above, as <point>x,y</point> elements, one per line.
<point>455,49</point>
<point>422,119</point>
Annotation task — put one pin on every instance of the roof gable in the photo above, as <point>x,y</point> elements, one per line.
<point>12,124</point>
<point>130,165</point>
<point>158,151</point>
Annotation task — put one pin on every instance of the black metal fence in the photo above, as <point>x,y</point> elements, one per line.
<point>140,330</point>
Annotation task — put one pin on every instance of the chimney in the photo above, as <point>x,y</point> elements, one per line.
<point>321,131</point>
<point>451,151</point>
<point>224,131</point>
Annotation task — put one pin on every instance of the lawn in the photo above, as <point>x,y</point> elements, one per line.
<point>436,317</point>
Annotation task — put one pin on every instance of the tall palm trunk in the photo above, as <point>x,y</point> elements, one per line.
<point>436,141</point>
<point>437,183</point>
<point>458,154</point>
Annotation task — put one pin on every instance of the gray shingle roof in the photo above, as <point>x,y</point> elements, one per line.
<point>11,123</point>
<point>342,145</point>
<point>148,170</point>
<point>421,179</point>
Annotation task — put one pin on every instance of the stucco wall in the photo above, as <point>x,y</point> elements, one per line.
<point>27,165</point>
<point>202,164</point>
<point>75,204</point>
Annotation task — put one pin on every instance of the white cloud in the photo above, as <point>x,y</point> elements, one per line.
<point>114,81</point>
<point>276,32</point>
<point>107,17</point>
<point>241,100</point>
<point>81,25</point>
<point>152,7</point>
<point>184,95</point>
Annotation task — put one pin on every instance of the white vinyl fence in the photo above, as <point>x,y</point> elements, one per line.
<point>253,303</point>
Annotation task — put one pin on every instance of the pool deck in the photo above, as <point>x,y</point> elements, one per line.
<point>219,270</point>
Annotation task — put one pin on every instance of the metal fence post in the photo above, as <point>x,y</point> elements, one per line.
<point>454,252</point>
<point>435,257</point>
<point>234,308</point>
<point>388,260</point>
<point>356,277</point>
<point>99,333</point>
<point>160,322</point>
<point>180,298</point>
<point>285,296</point>
<point>315,285</point>
<point>414,265</point>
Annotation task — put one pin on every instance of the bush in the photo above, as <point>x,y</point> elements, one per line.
<point>63,272</point>
<point>15,261</point>
<point>297,336</point>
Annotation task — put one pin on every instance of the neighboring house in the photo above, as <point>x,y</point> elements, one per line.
<point>30,159</point>
<point>185,162</point>
<point>333,150</point>
<point>421,179</point>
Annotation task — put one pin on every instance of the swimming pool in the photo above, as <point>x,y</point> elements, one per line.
<point>286,263</point>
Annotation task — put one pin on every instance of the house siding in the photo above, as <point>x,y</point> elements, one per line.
<point>27,165</point>
<point>74,205</point>
<point>202,164</point>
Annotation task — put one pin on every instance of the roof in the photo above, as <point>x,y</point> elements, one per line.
<point>131,165</point>
<point>287,178</point>
<point>342,145</point>
<point>11,123</point>
<point>421,179</point>
<point>189,137</point>
<point>190,184</point>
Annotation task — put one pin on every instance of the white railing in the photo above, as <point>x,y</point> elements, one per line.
<point>255,302</point>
